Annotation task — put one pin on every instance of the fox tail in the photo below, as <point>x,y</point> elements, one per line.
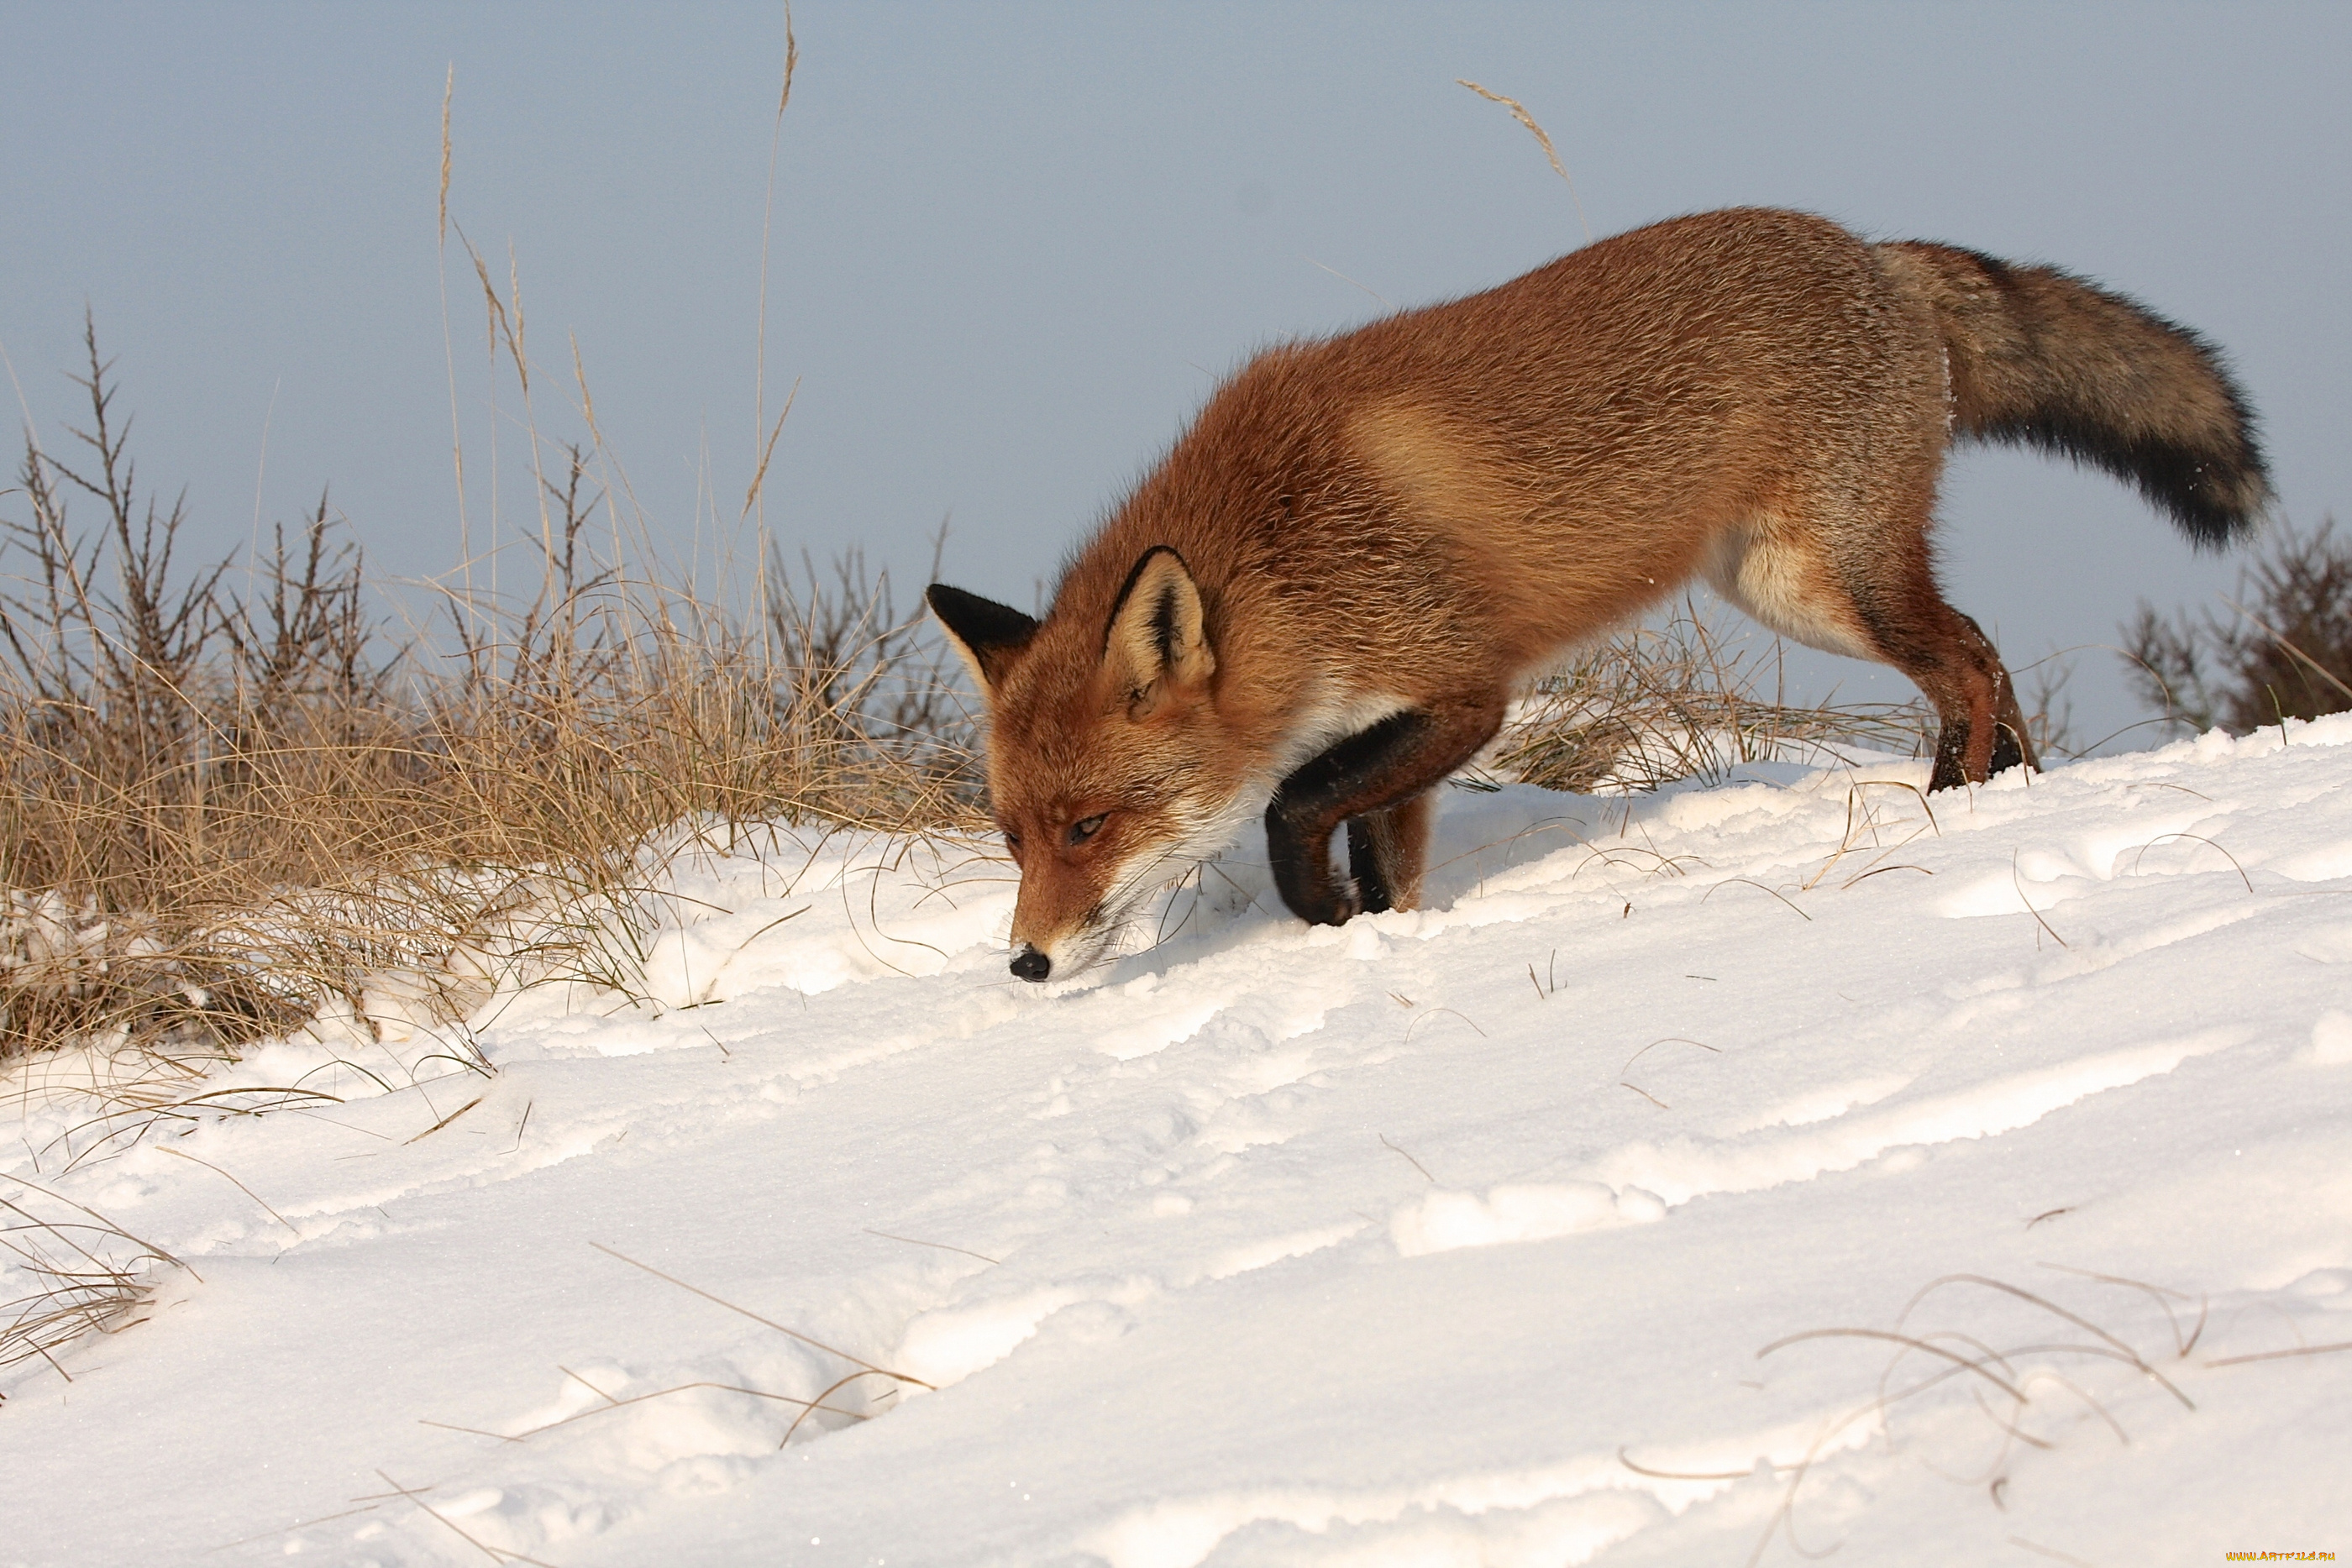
<point>2041,359</point>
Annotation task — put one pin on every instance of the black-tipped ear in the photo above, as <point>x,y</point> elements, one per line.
<point>1157,640</point>
<point>988,634</point>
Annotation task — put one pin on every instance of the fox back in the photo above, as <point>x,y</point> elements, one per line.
<point>1320,601</point>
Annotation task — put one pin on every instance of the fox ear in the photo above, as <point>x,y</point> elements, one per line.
<point>1156,642</point>
<point>988,634</point>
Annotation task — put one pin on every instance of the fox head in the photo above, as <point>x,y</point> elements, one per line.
<point>1106,767</point>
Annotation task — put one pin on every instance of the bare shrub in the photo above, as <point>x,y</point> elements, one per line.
<point>2285,652</point>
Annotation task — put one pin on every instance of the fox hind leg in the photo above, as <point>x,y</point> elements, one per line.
<point>1865,586</point>
<point>1856,576</point>
<point>2012,741</point>
<point>1982,730</point>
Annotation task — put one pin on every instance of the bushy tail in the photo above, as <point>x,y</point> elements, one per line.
<point>2047,360</point>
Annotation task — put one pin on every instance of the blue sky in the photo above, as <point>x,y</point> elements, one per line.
<point>1014,246</point>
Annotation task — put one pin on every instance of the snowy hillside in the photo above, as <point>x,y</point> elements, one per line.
<point>1706,1178</point>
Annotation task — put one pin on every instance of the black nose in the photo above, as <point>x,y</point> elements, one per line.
<point>1031,965</point>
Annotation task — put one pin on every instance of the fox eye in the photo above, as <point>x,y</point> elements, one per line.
<point>1081,832</point>
<point>1012,840</point>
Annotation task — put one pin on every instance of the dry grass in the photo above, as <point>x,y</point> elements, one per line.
<point>87,1274</point>
<point>2035,1373</point>
<point>1683,699</point>
<point>226,801</point>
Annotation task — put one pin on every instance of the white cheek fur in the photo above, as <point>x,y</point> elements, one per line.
<point>1205,827</point>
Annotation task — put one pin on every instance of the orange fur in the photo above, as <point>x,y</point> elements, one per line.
<point>1322,600</point>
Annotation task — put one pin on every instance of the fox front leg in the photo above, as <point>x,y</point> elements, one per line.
<point>1376,773</point>
<point>1385,851</point>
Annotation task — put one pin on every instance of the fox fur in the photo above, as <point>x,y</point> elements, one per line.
<point>1319,603</point>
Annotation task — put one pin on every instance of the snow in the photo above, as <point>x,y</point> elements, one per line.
<point>1714,1176</point>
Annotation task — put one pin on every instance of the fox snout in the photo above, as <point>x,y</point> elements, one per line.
<point>1051,955</point>
<point>1072,907</point>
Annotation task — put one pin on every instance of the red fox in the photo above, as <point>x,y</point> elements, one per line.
<point>1319,603</point>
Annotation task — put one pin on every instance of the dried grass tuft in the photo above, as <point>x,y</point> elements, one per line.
<point>226,802</point>
<point>1658,704</point>
<point>86,1274</point>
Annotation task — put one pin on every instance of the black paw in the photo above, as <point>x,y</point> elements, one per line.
<point>1328,905</point>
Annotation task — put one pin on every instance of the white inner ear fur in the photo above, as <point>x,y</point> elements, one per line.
<point>970,662</point>
<point>1157,640</point>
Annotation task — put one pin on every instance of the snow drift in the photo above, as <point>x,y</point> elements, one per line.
<point>1713,1176</point>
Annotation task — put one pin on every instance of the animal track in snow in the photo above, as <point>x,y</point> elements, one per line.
<point>1441,1221</point>
<point>1685,1168</point>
